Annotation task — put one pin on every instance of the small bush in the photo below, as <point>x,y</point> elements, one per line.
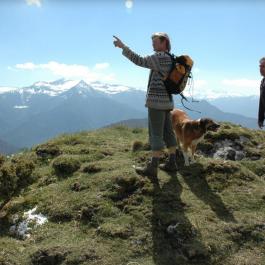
<point>24,169</point>
<point>137,145</point>
<point>2,160</point>
<point>15,175</point>
<point>47,150</point>
<point>64,165</point>
<point>8,180</point>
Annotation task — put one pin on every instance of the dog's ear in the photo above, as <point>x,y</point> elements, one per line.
<point>203,123</point>
<point>217,124</point>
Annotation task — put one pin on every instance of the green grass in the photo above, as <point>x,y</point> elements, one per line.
<point>101,212</point>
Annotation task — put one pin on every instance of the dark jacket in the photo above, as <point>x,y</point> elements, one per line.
<point>262,101</point>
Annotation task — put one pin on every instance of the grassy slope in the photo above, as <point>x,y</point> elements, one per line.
<point>104,213</point>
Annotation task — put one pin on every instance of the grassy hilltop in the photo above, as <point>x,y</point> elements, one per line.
<point>101,212</point>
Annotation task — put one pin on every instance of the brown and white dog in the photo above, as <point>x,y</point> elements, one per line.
<point>190,132</point>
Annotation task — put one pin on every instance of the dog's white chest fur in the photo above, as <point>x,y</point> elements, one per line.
<point>196,141</point>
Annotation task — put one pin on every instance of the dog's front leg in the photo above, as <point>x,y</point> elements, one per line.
<point>186,155</point>
<point>193,148</point>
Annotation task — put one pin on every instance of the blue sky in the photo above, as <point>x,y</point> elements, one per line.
<point>50,39</point>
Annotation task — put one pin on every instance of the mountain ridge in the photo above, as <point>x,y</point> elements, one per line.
<point>35,113</point>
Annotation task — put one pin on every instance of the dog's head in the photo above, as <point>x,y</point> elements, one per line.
<point>209,125</point>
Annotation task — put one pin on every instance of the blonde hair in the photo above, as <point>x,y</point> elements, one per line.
<point>162,36</point>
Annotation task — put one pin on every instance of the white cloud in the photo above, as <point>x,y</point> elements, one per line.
<point>34,2</point>
<point>200,83</point>
<point>129,4</point>
<point>211,89</point>
<point>12,69</point>
<point>201,89</point>
<point>26,66</point>
<point>101,66</point>
<point>71,71</point>
<point>247,83</point>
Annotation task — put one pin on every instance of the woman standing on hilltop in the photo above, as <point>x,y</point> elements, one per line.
<point>158,102</point>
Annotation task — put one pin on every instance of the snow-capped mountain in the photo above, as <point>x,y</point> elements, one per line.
<point>112,88</point>
<point>7,89</point>
<point>50,88</point>
<point>35,113</point>
<point>60,86</point>
<point>32,114</point>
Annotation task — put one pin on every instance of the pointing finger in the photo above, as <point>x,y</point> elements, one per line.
<point>116,37</point>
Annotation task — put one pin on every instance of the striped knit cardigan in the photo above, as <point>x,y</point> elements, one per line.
<point>156,96</point>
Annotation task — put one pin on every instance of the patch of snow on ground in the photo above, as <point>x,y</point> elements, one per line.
<point>30,220</point>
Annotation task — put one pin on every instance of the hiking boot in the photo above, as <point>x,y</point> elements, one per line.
<point>169,166</point>
<point>150,170</point>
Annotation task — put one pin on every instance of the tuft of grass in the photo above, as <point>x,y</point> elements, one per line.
<point>121,228</point>
<point>47,150</point>
<point>65,165</point>
<point>91,168</point>
<point>15,175</point>
<point>8,180</point>
<point>2,159</point>
<point>124,186</point>
<point>140,146</point>
<point>137,145</point>
<point>52,255</point>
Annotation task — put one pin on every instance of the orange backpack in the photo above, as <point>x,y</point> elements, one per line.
<point>176,81</point>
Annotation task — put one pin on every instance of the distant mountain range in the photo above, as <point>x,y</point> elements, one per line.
<point>246,106</point>
<point>206,109</point>
<point>33,114</point>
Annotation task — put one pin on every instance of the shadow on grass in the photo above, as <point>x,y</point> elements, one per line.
<point>195,177</point>
<point>175,240</point>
